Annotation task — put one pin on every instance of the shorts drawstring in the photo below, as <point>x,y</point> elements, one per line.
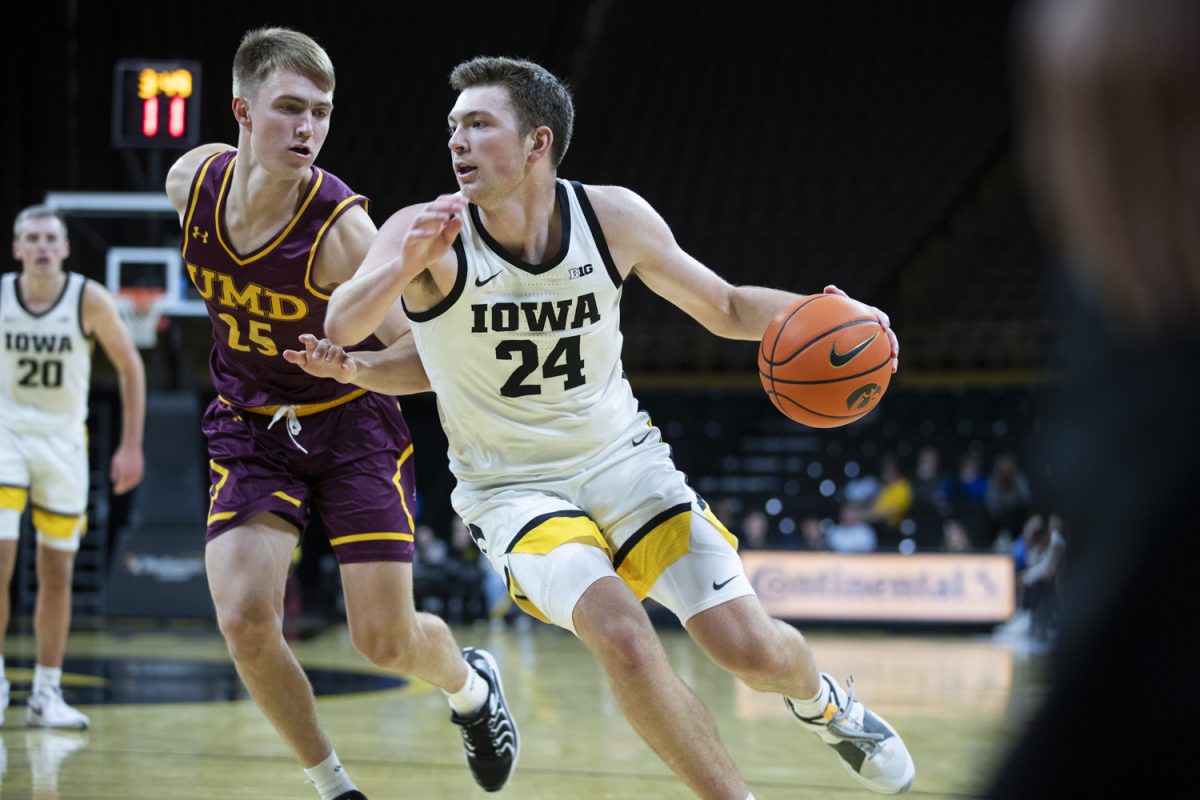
<point>293,424</point>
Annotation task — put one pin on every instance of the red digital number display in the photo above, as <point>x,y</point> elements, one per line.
<point>156,104</point>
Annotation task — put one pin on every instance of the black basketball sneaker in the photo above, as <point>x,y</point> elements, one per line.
<point>490,738</point>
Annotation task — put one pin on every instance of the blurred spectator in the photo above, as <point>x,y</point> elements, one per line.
<point>484,593</point>
<point>429,550</point>
<point>1008,498</point>
<point>862,490</point>
<point>894,499</point>
<point>1020,547</point>
<point>727,509</point>
<point>432,574</point>
<point>969,486</point>
<point>963,497</point>
<point>1044,554</point>
<point>852,534</point>
<point>927,479</point>
<point>954,537</point>
<point>755,527</point>
<point>812,533</point>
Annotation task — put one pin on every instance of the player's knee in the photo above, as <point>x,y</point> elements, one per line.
<point>248,631</point>
<point>386,647</point>
<point>54,573</point>
<point>756,657</point>
<point>623,642</point>
<point>54,582</point>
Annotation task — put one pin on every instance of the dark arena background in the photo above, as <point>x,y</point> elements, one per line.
<point>872,145</point>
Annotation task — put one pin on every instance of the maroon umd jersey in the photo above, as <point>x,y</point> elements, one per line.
<point>260,302</point>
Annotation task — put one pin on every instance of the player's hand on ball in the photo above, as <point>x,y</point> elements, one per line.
<point>884,322</point>
<point>323,359</point>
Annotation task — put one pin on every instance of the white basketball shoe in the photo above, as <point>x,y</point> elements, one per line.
<point>46,708</point>
<point>868,747</point>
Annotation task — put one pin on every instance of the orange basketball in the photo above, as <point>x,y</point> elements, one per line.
<point>823,362</point>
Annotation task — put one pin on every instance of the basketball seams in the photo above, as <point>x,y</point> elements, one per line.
<point>855,376</point>
<point>780,327</point>
<point>843,417</point>
<point>822,336</point>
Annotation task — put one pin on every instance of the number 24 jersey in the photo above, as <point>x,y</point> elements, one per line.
<point>526,358</point>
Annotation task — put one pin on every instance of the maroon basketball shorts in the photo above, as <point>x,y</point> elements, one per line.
<point>357,474</point>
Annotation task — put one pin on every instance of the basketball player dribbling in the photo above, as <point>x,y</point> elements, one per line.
<point>266,238</point>
<point>512,288</point>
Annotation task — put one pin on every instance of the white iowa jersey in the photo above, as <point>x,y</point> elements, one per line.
<point>526,359</point>
<point>45,360</point>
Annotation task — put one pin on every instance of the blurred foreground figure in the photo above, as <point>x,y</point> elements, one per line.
<point>1112,128</point>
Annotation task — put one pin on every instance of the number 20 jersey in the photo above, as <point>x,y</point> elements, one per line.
<point>45,360</point>
<point>260,302</point>
<point>526,359</point>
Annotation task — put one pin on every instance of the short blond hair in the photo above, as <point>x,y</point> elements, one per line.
<point>265,50</point>
<point>38,212</point>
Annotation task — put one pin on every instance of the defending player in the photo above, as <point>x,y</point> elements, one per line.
<point>266,237</point>
<point>48,319</point>
<point>512,287</point>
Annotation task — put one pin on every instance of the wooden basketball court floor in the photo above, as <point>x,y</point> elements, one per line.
<point>957,699</point>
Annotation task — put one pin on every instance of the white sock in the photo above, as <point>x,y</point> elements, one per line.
<point>815,705</point>
<point>1,668</point>
<point>749,797</point>
<point>46,677</point>
<point>330,777</point>
<point>471,697</point>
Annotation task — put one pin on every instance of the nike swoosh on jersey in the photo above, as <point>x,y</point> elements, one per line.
<point>719,586</point>
<point>488,279</point>
<point>842,359</point>
<point>640,439</point>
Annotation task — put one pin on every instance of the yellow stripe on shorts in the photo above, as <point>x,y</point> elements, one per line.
<point>13,498</point>
<point>58,526</point>
<point>370,537</point>
<point>655,546</point>
<point>216,490</point>
<point>398,480</point>
<point>721,529</point>
<point>518,595</point>
<point>541,535</point>
<point>286,497</point>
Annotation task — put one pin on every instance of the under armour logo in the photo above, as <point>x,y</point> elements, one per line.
<point>196,234</point>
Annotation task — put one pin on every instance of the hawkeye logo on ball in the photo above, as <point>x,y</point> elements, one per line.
<point>861,397</point>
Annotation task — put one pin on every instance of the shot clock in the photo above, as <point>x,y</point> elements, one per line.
<point>156,104</point>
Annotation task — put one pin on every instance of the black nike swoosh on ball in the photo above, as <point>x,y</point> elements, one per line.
<point>842,359</point>
<point>489,278</point>
<point>719,586</point>
<point>640,439</point>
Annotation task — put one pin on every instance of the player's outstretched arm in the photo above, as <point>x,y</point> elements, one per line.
<point>395,370</point>
<point>408,244</point>
<point>100,318</point>
<point>638,236</point>
<point>179,178</point>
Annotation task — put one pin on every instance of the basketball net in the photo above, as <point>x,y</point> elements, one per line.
<point>141,309</point>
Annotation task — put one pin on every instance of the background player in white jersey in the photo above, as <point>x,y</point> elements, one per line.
<point>48,318</point>
<point>512,288</point>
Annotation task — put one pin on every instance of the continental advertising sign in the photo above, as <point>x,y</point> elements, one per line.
<point>867,587</point>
